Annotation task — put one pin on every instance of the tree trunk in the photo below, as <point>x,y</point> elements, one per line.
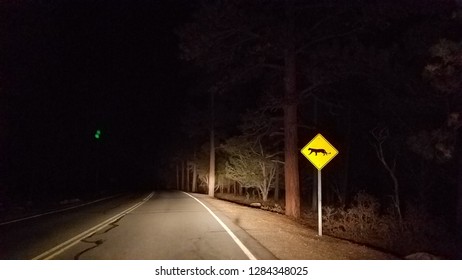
<point>182,175</point>
<point>391,172</point>
<point>276,185</point>
<point>292,186</point>
<point>194,179</point>
<point>314,190</point>
<point>264,195</point>
<point>314,193</point>
<point>212,148</point>
<point>177,176</point>
<point>187,177</point>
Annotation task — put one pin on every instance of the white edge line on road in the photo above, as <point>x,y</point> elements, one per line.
<point>76,239</point>
<point>57,211</point>
<point>233,236</point>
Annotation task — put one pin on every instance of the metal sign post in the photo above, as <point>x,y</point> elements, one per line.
<point>319,152</point>
<point>319,203</point>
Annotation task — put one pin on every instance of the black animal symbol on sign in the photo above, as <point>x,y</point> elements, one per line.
<point>316,151</point>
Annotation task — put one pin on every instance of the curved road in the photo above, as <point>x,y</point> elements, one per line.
<point>168,225</point>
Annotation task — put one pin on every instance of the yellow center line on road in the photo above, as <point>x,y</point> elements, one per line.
<point>53,252</point>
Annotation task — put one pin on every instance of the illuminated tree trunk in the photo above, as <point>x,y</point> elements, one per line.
<point>212,148</point>
<point>177,176</point>
<point>188,188</point>
<point>182,174</point>
<point>292,187</point>
<point>194,179</point>
<point>276,185</point>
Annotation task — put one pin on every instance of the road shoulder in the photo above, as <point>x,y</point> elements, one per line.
<point>286,239</point>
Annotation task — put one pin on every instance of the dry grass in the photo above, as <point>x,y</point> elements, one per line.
<point>362,222</point>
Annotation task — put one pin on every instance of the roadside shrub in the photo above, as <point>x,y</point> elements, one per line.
<point>363,222</point>
<point>360,222</point>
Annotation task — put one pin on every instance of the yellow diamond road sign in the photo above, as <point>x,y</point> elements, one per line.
<point>319,151</point>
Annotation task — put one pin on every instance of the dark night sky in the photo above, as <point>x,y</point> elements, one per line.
<point>71,67</point>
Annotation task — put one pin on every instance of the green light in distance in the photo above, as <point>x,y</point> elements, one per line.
<point>98,134</point>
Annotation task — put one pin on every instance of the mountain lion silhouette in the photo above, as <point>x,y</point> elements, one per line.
<point>316,151</point>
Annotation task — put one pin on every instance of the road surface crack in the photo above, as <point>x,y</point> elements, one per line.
<point>97,242</point>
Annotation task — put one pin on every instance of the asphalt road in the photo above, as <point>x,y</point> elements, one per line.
<point>167,225</point>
